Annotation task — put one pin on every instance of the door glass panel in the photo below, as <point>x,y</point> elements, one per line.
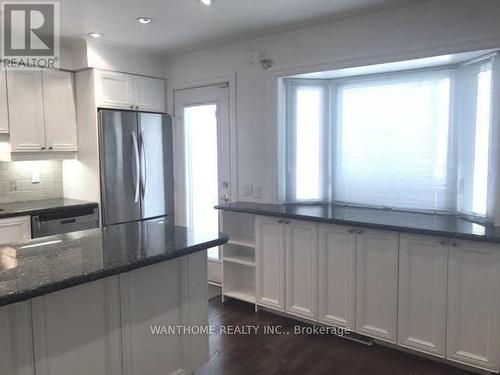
<point>200,123</point>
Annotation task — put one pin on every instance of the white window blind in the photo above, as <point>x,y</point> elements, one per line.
<point>392,144</point>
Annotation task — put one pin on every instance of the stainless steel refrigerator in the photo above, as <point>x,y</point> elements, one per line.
<point>136,160</point>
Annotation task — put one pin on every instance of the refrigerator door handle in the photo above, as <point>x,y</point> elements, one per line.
<point>144,166</point>
<point>137,165</point>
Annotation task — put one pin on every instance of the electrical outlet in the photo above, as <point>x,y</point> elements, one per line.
<point>13,186</point>
<point>35,176</point>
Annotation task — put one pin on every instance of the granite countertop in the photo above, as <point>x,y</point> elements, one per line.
<point>401,221</point>
<point>37,267</point>
<point>40,206</point>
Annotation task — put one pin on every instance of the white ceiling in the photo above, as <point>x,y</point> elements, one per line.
<point>187,25</point>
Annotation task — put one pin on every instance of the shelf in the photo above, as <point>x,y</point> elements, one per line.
<point>244,243</point>
<point>246,261</point>
<point>214,283</point>
<point>243,295</point>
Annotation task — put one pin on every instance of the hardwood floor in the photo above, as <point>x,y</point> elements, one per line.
<point>300,354</point>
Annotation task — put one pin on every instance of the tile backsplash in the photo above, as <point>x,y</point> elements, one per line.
<point>16,180</point>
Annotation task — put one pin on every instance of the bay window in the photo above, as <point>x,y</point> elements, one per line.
<point>416,140</point>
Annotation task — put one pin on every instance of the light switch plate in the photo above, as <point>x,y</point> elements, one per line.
<point>257,192</point>
<point>247,190</point>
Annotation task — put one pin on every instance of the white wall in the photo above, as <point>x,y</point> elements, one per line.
<point>426,29</point>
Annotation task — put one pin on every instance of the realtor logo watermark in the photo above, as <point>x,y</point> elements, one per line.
<point>30,34</point>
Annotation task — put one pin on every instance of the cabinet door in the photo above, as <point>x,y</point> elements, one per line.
<point>27,124</point>
<point>301,255</point>
<point>4,111</point>
<point>270,263</point>
<point>150,94</point>
<point>15,229</point>
<point>60,113</point>
<point>422,293</point>
<point>16,344</point>
<point>377,283</point>
<point>337,270</point>
<point>77,330</point>
<point>114,90</point>
<point>150,297</point>
<point>473,329</point>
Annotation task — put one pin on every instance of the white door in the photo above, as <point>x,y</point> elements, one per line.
<point>473,329</point>
<point>150,94</point>
<point>301,256</point>
<point>16,340</point>
<point>337,270</point>
<point>27,124</point>
<point>270,262</point>
<point>377,283</point>
<point>4,112</point>
<point>15,229</point>
<point>422,293</point>
<point>77,330</point>
<point>60,112</point>
<point>202,160</point>
<point>114,90</point>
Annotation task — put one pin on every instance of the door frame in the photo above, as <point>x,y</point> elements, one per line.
<point>230,80</point>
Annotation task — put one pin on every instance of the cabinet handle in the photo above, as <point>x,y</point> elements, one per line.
<point>287,221</point>
<point>351,230</point>
<point>136,107</point>
<point>443,242</point>
<point>51,147</point>
<point>42,148</point>
<point>454,244</point>
<point>132,107</point>
<point>360,231</point>
<point>280,221</point>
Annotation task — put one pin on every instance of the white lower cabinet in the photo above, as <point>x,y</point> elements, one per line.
<point>377,283</point>
<point>150,298</point>
<point>77,330</point>
<point>301,256</point>
<point>270,259</point>
<point>473,318</point>
<point>337,270</point>
<point>15,229</point>
<point>16,343</point>
<point>422,293</point>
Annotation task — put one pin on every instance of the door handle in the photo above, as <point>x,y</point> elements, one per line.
<point>137,166</point>
<point>144,163</point>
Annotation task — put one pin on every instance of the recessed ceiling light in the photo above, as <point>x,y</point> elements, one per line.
<point>95,35</point>
<point>207,2</point>
<point>144,20</point>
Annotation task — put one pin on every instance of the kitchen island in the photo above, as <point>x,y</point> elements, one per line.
<point>88,302</point>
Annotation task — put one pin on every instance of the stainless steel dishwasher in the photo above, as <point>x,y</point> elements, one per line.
<point>64,221</point>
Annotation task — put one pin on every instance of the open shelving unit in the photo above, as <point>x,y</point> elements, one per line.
<point>238,257</point>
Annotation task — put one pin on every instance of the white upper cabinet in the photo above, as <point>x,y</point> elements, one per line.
<point>25,97</point>
<point>422,293</point>
<point>473,325</point>
<point>60,112</point>
<point>41,111</point>
<point>115,90</point>
<point>150,94</point>
<point>127,91</point>
<point>301,254</point>
<point>4,110</point>
<point>377,283</point>
<point>337,270</point>
<point>270,263</point>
